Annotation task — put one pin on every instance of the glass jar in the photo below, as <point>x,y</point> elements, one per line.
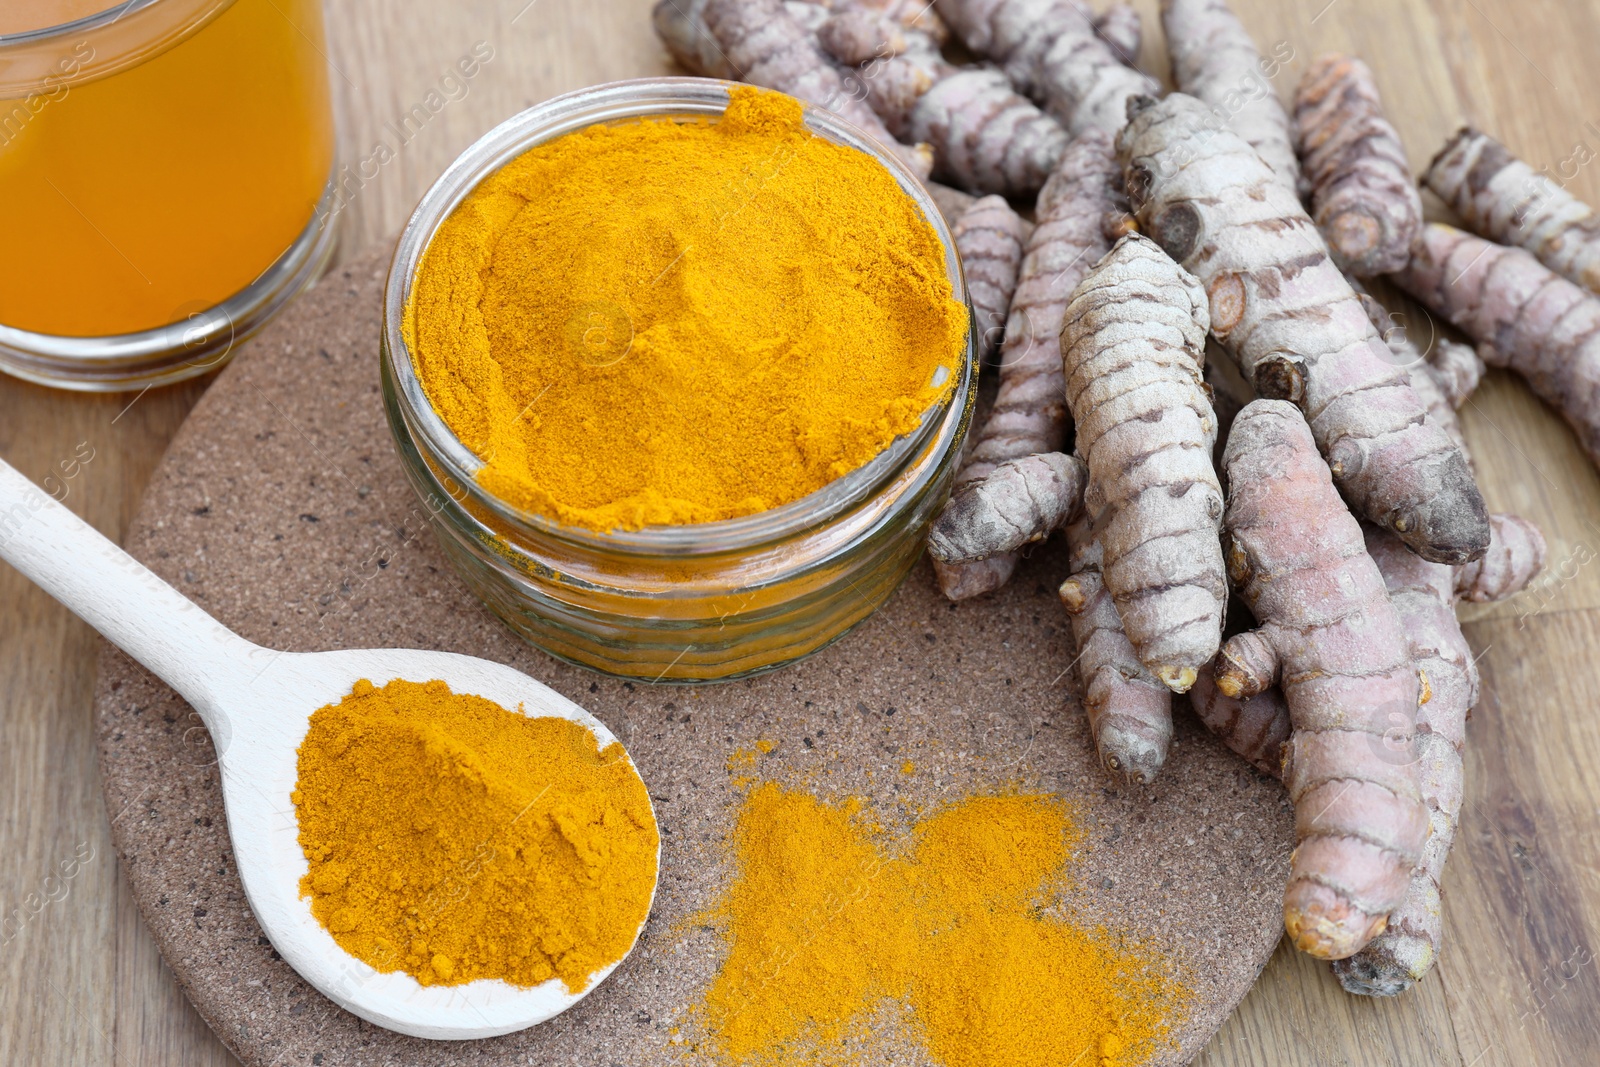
<point>165,185</point>
<point>689,603</point>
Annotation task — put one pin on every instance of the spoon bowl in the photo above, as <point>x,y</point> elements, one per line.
<point>257,705</point>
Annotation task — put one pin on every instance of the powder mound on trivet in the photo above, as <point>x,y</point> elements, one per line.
<point>454,840</point>
<point>825,921</point>
<point>667,322</point>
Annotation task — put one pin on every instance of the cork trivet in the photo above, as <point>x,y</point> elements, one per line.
<point>281,508</point>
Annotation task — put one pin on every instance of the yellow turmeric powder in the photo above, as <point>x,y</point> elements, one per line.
<point>824,924</point>
<point>453,839</point>
<point>666,322</point>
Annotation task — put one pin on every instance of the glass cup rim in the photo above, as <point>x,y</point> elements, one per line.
<point>84,23</point>
<point>619,101</point>
<point>122,35</point>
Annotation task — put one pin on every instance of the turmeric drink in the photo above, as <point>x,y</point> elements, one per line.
<point>137,199</point>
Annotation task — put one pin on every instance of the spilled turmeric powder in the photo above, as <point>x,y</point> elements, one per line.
<point>668,322</point>
<point>824,924</point>
<point>453,839</point>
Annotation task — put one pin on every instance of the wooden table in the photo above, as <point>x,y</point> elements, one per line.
<point>80,981</point>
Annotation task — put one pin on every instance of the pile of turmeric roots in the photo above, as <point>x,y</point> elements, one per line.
<point>1315,477</point>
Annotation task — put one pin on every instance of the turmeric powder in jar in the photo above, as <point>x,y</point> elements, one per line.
<point>668,322</point>
<point>453,839</point>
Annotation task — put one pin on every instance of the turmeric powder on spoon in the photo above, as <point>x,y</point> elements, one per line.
<point>669,322</point>
<point>454,839</point>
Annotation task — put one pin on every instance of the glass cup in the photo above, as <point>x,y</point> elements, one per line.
<point>165,185</point>
<point>690,603</point>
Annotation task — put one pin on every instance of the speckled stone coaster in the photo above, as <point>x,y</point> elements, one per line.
<point>281,509</point>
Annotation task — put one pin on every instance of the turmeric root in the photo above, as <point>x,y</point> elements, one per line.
<point>1456,367</point>
<point>1130,712</point>
<point>681,25</point>
<point>1426,381</point>
<point>1502,198</point>
<point>988,237</point>
<point>1255,727</point>
<point>1362,195</point>
<point>915,15</point>
<point>1133,346</point>
<point>1294,326</point>
<point>1120,27</point>
<point>892,87</point>
<point>1030,410</point>
<point>1516,555</point>
<point>1050,51</point>
<point>1215,61</point>
<point>1069,238</point>
<point>775,43</point>
<point>764,45</point>
<point>952,203</point>
<point>855,35</point>
<point>963,581</point>
<point>808,16</point>
<point>985,137</point>
<point>1333,640</point>
<point>1443,378</point>
<point>1424,596</point>
<point>1522,314</point>
<point>1019,502</point>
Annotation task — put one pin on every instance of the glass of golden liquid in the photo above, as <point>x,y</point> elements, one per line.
<point>165,182</point>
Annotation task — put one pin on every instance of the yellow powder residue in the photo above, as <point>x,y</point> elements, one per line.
<point>664,322</point>
<point>745,758</point>
<point>453,839</point>
<point>824,924</point>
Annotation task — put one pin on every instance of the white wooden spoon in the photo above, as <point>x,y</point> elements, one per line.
<point>257,704</point>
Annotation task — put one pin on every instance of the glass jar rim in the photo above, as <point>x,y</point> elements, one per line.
<point>48,59</point>
<point>621,101</point>
<point>110,14</point>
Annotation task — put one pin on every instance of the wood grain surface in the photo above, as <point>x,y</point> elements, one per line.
<point>80,981</point>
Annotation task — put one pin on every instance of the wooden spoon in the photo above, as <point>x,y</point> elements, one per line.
<point>257,705</point>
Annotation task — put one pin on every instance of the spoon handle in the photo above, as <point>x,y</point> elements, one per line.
<point>119,596</point>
